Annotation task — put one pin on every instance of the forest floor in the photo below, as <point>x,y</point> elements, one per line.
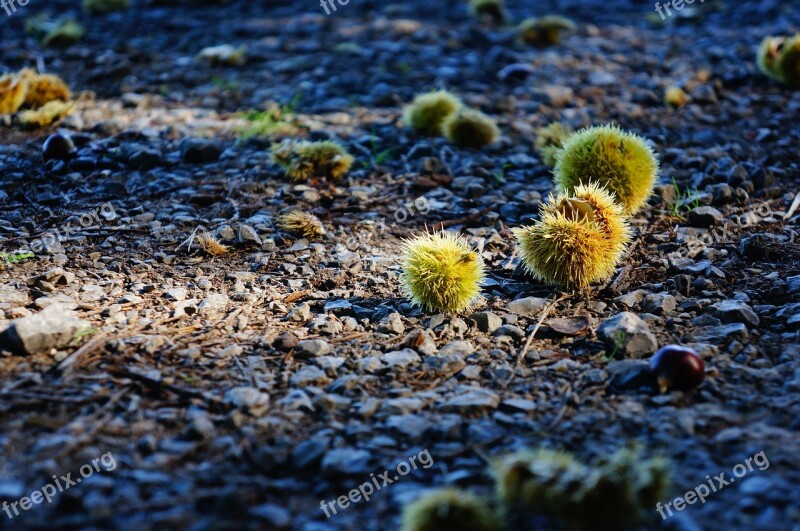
<point>244,389</point>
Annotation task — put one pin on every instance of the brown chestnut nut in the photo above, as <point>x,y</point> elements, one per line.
<point>677,368</point>
<point>58,147</point>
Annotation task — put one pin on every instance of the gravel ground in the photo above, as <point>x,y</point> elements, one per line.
<point>243,389</point>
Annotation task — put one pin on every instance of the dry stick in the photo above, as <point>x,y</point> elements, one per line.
<point>794,207</point>
<point>188,241</point>
<point>533,333</point>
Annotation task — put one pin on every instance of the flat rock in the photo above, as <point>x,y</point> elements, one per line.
<point>487,322</point>
<point>527,306</point>
<point>401,358</point>
<point>735,311</point>
<point>53,327</point>
<point>312,348</point>
<point>705,217</point>
<point>628,335</point>
<point>472,401</point>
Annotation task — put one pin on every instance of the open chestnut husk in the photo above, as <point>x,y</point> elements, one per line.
<point>677,368</point>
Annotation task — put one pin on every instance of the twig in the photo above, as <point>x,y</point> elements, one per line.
<point>188,241</point>
<point>794,207</point>
<point>542,317</point>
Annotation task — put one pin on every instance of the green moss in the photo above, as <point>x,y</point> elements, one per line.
<point>622,162</point>
<point>550,139</point>
<point>449,510</point>
<point>545,31</point>
<point>305,160</point>
<point>428,111</point>
<point>470,129</point>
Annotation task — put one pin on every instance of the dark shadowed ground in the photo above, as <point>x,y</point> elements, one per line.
<point>193,378</point>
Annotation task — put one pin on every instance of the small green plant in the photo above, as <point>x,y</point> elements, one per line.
<point>378,156</point>
<point>500,175</point>
<point>428,111</point>
<point>441,272</point>
<point>620,161</point>
<point>618,342</point>
<point>469,128</point>
<point>275,121</point>
<point>550,139</point>
<point>579,239</point>
<point>7,259</point>
<point>449,510</point>
<point>82,334</point>
<point>303,160</point>
<point>779,58</point>
<point>683,198</point>
<point>224,84</point>
<point>545,31</point>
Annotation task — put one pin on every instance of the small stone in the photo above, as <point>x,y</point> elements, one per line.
<point>248,235</point>
<point>176,294</point>
<point>301,314</point>
<point>272,515</point>
<point>199,151</point>
<point>514,332</point>
<point>312,348</point>
<point>659,303</point>
<point>627,335</point>
<point>472,401</point>
<point>346,461</point>
<point>53,327</point>
<point>487,321</point>
<point>447,365</point>
<point>629,300</point>
<point>793,284</point>
<point>718,333</point>
<point>248,399</point>
<point>392,324</point>
<point>705,217</point>
<point>308,376</point>
<point>457,348</point>
<point>285,342</point>
<point>213,303</point>
<point>401,358</point>
<point>527,306</point>
<point>735,311</point>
